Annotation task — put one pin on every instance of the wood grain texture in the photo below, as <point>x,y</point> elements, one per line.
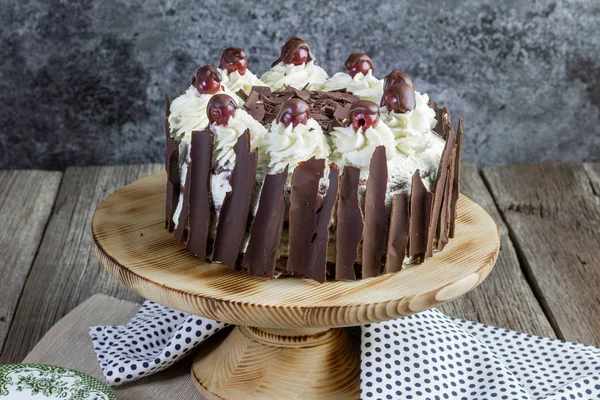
<point>134,246</point>
<point>26,200</point>
<point>256,364</point>
<point>505,299</point>
<point>65,271</point>
<point>553,215</point>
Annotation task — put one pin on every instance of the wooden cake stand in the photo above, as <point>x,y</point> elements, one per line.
<point>288,343</point>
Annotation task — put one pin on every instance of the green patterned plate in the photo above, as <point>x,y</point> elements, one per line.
<point>47,382</point>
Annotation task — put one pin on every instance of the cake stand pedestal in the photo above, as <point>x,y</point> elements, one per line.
<point>289,342</point>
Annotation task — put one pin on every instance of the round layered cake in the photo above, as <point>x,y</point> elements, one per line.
<point>299,174</point>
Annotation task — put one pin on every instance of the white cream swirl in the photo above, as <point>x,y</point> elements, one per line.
<point>297,76</point>
<point>367,87</point>
<point>293,144</point>
<point>411,127</point>
<point>234,81</point>
<point>227,136</point>
<point>356,147</point>
<point>188,112</point>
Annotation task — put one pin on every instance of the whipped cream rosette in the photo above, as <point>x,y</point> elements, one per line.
<point>358,79</point>
<point>294,137</point>
<point>295,67</point>
<point>235,73</point>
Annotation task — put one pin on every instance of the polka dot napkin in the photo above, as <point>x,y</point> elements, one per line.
<point>426,356</point>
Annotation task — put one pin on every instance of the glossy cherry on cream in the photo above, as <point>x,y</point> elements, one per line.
<point>234,59</point>
<point>295,51</point>
<point>397,77</point>
<point>293,111</point>
<point>363,114</point>
<point>399,98</point>
<point>207,80</point>
<point>357,62</point>
<point>220,108</point>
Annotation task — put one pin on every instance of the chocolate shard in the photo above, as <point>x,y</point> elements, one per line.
<point>342,112</point>
<point>456,178</point>
<point>420,213</point>
<point>321,240</point>
<point>349,224</point>
<point>398,236</point>
<point>257,112</point>
<point>302,94</point>
<point>233,218</point>
<point>304,207</point>
<point>439,192</point>
<point>376,220</point>
<point>172,168</point>
<point>442,115</point>
<point>262,252</point>
<point>181,232</point>
<point>444,225</point>
<point>199,170</point>
<point>264,91</point>
<point>252,99</point>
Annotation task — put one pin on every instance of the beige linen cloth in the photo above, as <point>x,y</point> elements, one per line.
<point>68,344</point>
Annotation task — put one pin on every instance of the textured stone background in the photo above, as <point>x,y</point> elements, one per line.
<point>82,82</point>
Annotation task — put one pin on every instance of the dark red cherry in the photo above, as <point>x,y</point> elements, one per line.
<point>399,98</point>
<point>207,80</point>
<point>220,108</point>
<point>295,51</point>
<point>299,57</point>
<point>363,114</point>
<point>397,77</point>
<point>234,59</point>
<point>357,62</point>
<point>293,111</point>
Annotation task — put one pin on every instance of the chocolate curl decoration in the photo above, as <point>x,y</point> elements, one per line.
<point>349,224</point>
<point>398,237</point>
<point>456,178</point>
<point>233,218</point>
<point>439,192</point>
<point>420,213</point>
<point>303,218</point>
<point>289,48</point>
<point>198,191</point>
<point>265,234</point>
<point>172,168</point>
<point>376,220</point>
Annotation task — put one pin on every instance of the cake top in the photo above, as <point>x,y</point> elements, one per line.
<point>296,111</point>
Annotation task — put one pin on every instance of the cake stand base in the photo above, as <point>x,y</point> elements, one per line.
<point>252,363</point>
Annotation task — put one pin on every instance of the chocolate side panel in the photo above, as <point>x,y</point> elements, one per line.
<point>201,151</point>
<point>349,224</point>
<point>304,207</point>
<point>319,243</point>
<point>233,218</point>
<point>172,168</point>
<point>182,223</point>
<point>398,236</point>
<point>420,213</point>
<point>376,219</point>
<point>439,192</point>
<point>456,177</point>
<point>265,234</point>
<point>444,225</point>
<point>442,115</point>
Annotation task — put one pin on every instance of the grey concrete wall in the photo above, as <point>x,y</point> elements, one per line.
<point>82,82</point>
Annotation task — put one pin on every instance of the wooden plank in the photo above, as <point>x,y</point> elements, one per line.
<point>26,200</point>
<point>553,215</point>
<point>66,270</point>
<point>504,299</point>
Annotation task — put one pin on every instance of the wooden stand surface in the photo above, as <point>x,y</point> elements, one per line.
<point>284,345</point>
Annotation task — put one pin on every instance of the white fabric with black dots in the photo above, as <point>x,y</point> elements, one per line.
<point>427,356</point>
<point>153,340</point>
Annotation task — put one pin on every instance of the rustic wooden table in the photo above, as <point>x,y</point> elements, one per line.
<point>546,281</point>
